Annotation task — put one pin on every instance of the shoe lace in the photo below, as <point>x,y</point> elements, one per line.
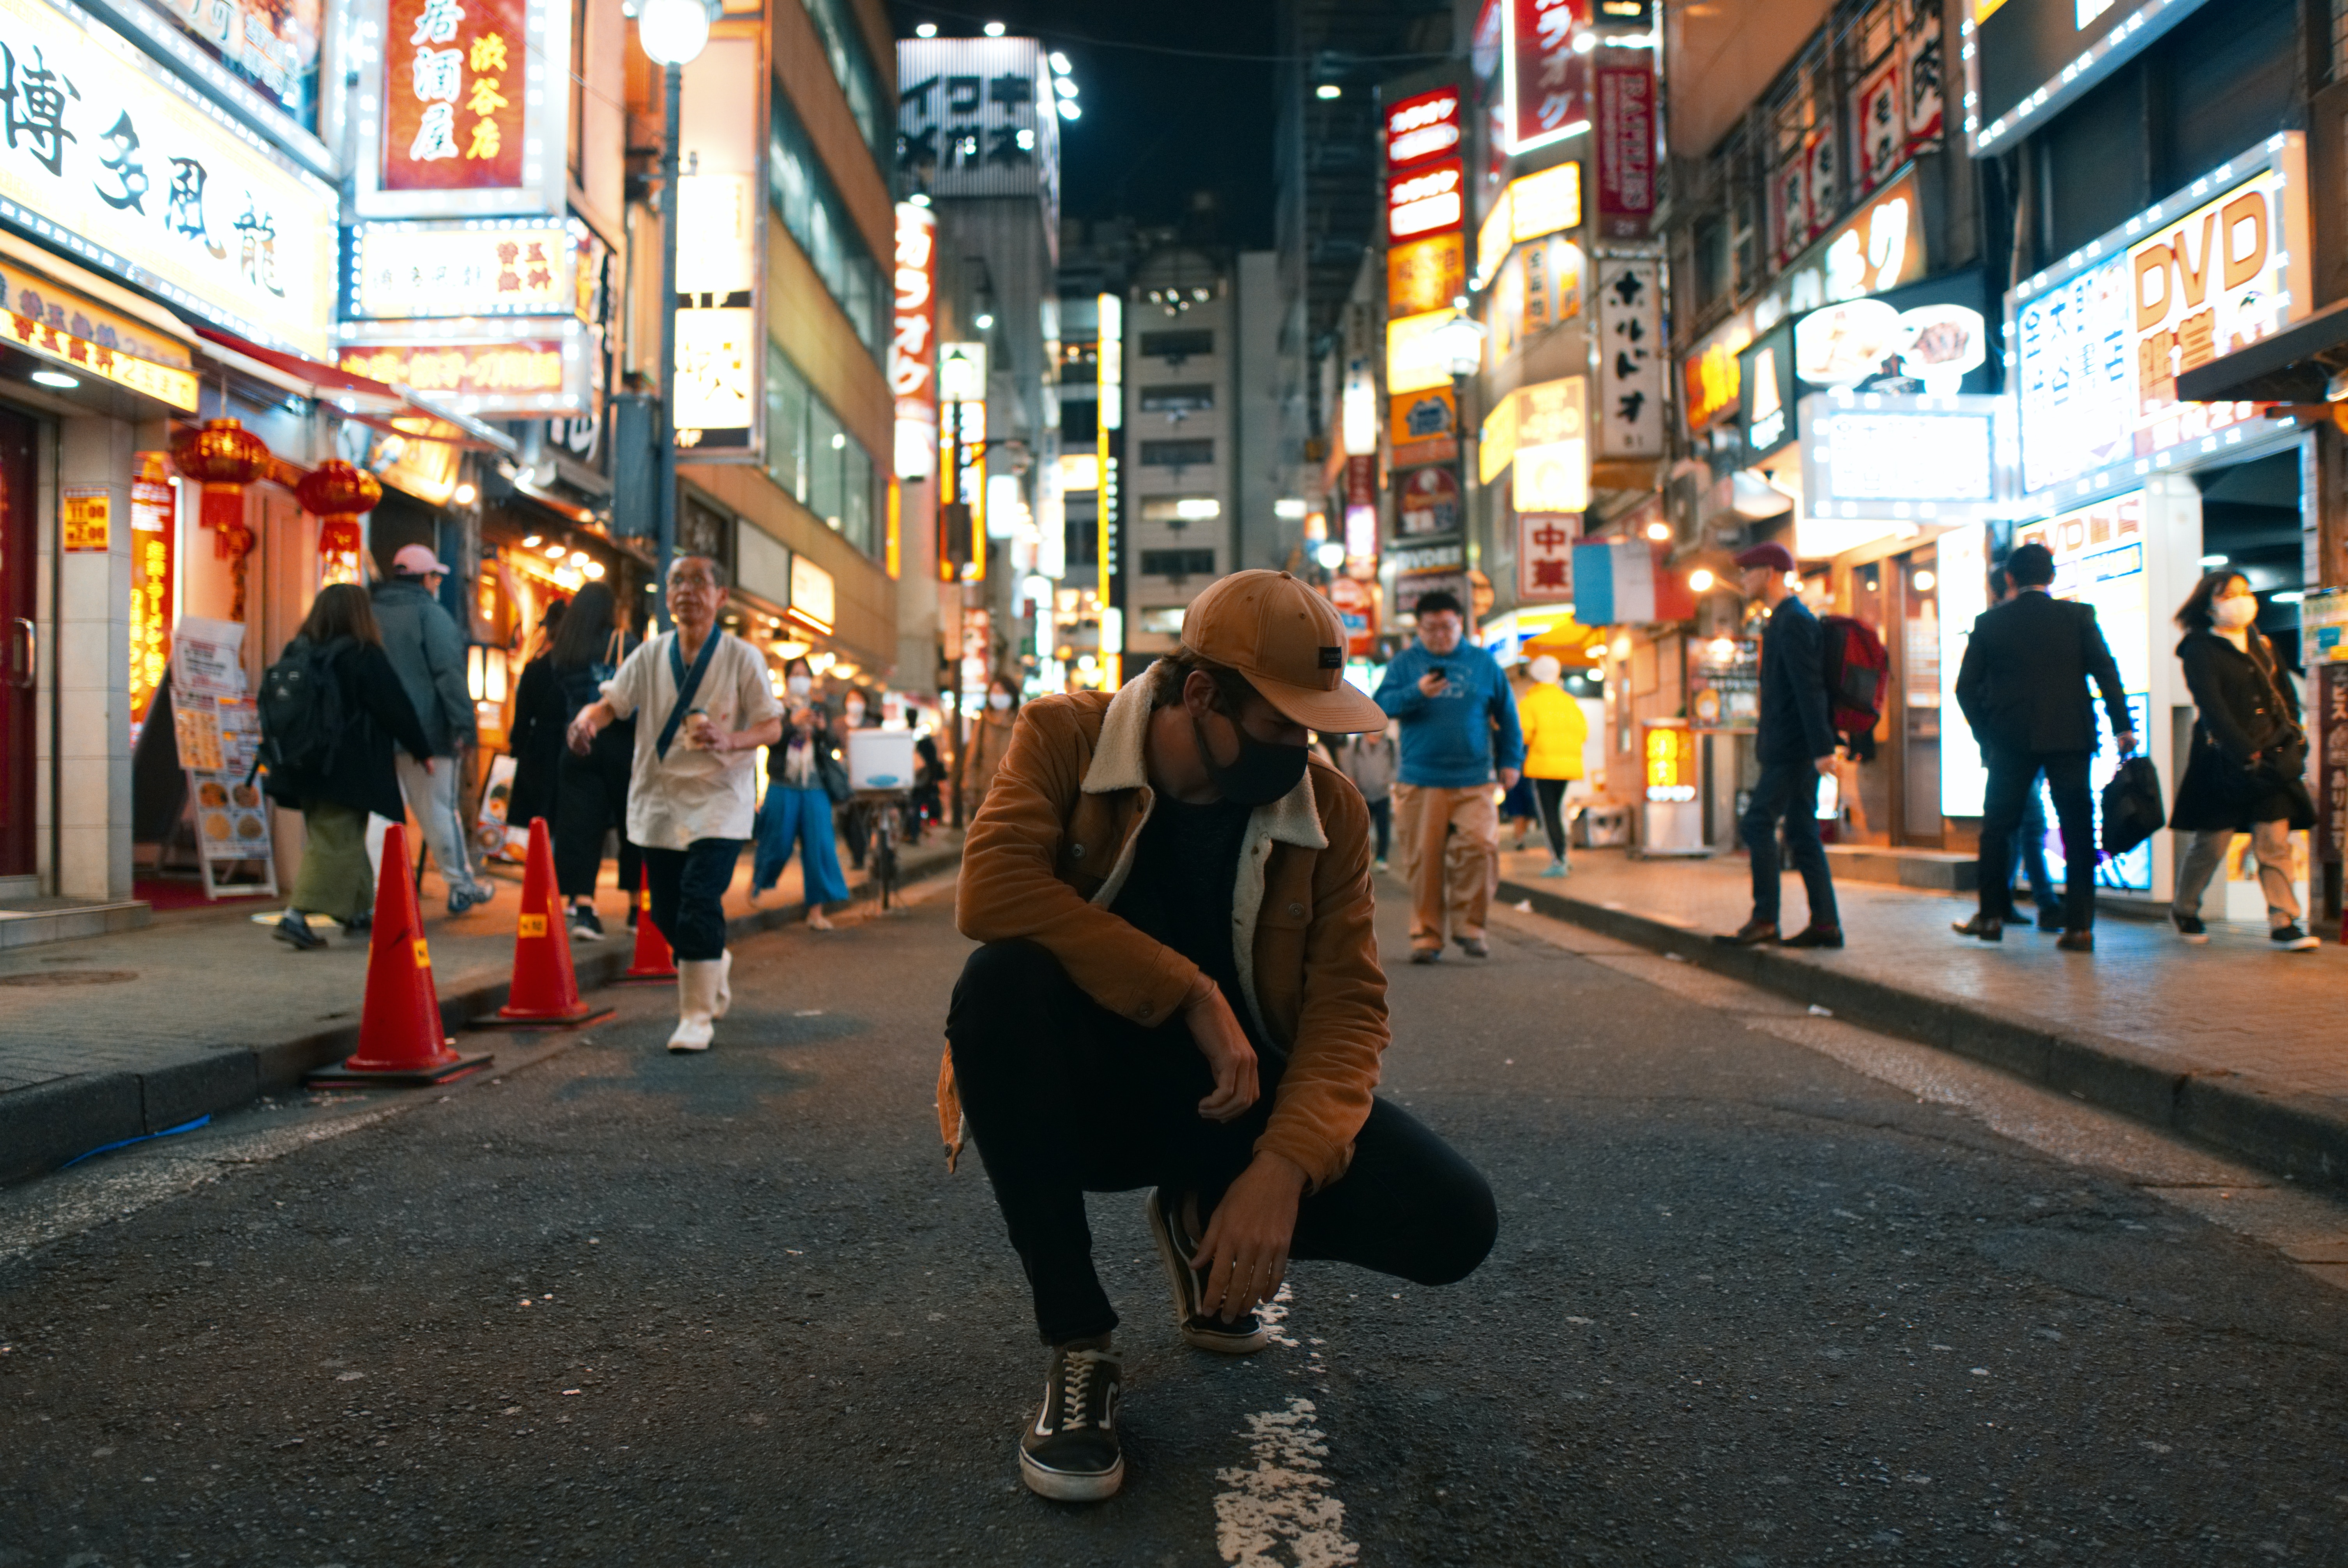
<point>1076,1386</point>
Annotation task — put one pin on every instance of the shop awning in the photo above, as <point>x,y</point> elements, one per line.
<point>2295,366</point>
<point>395,409</point>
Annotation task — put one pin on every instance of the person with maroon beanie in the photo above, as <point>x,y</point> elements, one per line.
<point>1795,747</point>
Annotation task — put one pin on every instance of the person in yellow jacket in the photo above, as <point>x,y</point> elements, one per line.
<point>1555,730</point>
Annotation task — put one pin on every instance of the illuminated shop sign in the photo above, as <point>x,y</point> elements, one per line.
<point>1528,209</point>
<point>1426,274</point>
<point>1416,358</point>
<point>468,268</point>
<point>468,109</point>
<point>542,372</point>
<point>1427,201</point>
<point>1920,459</point>
<point>2026,60</point>
<point>912,346</point>
<point>1545,88</point>
<point>2098,342</point>
<point>1422,126</point>
<point>975,118</point>
<point>718,349</point>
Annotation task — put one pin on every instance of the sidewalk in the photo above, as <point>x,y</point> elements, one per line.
<point>112,1037</point>
<point>2234,1044</point>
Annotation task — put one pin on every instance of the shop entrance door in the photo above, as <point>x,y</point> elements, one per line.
<point>20,571</point>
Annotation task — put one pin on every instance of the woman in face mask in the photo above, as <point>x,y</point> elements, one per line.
<point>2247,773</point>
<point>803,777</point>
<point>990,739</point>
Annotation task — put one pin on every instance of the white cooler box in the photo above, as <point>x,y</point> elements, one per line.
<point>881,759</point>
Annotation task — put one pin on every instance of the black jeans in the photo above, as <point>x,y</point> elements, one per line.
<point>1552,794</point>
<point>1789,790</point>
<point>1382,818</point>
<point>689,894</point>
<point>2012,777</point>
<point>591,798</point>
<point>1066,1098</point>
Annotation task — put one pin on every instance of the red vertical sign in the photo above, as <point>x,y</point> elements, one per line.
<point>1550,82</point>
<point>1626,150</point>
<point>456,75</point>
<point>913,348</point>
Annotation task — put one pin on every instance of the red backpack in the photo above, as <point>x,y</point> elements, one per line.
<point>1857,670</point>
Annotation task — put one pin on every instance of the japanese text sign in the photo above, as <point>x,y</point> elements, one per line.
<point>976,115</point>
<point>716,351</point>
<point>1426,274</point>
<point>518,268</point>
<point>1626,150</point>
<point>1547,86</point>
<point>535,375</point>
<point>1428,201</point>
<point>912,346</point>
<point>1545,543</point>
<point>86,515</point>
<point>270,45</point>
<point>456,74</point>
<point>1422,126</point>
<point>1630,415</point>
<point>109,156</point>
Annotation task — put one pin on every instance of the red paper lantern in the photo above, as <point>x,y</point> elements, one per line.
<point>338,494</point>
<point>226,457</point>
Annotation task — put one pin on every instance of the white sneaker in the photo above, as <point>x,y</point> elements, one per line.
<point>697,1002</point>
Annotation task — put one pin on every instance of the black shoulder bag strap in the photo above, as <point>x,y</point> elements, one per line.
<point>689,682</point>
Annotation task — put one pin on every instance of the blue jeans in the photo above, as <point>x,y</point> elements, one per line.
<point>2030,849</point>
<point>1789,790</point>
<point>804,814</point>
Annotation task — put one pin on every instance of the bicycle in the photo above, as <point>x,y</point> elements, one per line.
<point>885,810</point>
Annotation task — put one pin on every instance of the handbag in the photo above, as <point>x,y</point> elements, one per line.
<point>2132,810</point>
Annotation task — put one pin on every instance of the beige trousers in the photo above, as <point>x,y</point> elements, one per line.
<point>1449,843</point>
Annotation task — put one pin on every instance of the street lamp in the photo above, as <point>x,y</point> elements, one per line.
<point>1460,342</point>
<point>674,33</point>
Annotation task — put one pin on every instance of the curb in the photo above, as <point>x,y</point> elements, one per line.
<point>2299,1137</point>
<point>45,1124</point>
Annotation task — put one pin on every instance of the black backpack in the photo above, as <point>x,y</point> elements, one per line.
<point>301,703</point>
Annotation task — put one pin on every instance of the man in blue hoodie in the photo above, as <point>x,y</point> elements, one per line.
<point>1459,718</point>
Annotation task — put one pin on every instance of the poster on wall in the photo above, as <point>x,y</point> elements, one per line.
<point>1630,412</point>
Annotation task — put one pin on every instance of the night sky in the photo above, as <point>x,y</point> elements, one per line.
<point>1158,125</point>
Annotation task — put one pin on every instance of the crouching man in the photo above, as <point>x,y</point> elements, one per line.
<point>1179,990</point>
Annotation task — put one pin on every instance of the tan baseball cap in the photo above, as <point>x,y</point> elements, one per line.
<point>1288,642</point>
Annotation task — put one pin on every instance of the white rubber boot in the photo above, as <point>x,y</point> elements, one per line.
<point>696,999</point>
<point>725,985</point>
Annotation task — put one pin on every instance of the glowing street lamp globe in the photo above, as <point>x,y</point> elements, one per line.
<point>1460,341</point>
<point>673,31</point>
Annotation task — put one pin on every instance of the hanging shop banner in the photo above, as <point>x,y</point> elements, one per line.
<point>2099,342</point>
<point>1426,503</point>
<point>111,158</point>
<point>535,366</point>
<point>1432,200</point>
<point>471,111</point>
<point>1545,542</point>
<point>1423,127</point>
<point>1879,121</point>
<point>1923,67</point>
<point>1709,377</point>
<point>1546,88</point>
<point>1630,358</point>
<point>975,118</point>
<point>1426,274</point>
<point>717,389</point>
<point>154,527</point>
<point>1626,142</point>
<point>912,345</point>
<point>1628,582</point>
<point>479,267</point>
<point>1766,393</point>
<point>1539,287</point>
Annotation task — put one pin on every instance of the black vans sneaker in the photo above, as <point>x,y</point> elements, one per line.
<point>2189,927</point>
<point>1071,1452</point>
<point>2292,939</point>
<point>1176,1246</point>
<point>586,925</point>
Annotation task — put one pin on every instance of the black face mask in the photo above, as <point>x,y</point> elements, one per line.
<point>1263,773</point>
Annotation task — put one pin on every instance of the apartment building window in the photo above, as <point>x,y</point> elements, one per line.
<point>1186,454</point>
<point>1178,564</point>
<point>811,455</point>
<point>1179,398</point>
<point>1079,421</point>
<point>1180,511</point>
<point>809,205</point>
<point>851,65</point>
<point>1174,347</point>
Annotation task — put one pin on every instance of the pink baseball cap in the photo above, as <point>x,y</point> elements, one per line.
<point>418,561</point>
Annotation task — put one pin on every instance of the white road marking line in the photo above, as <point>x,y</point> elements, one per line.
<point>1284,1510</point>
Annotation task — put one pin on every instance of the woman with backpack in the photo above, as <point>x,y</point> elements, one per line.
<point>332,707</point>
<point>590,792</point>
<point>2247,771</point>
<point>804,778</point>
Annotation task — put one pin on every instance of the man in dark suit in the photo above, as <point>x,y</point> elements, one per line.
<point>1795,747</point>
<point>2024,690</point>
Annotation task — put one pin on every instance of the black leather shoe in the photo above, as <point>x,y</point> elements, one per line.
<point>1752,933</point>
<point>1988,927</point>
<point>294,931</point>
<point>2077,941</point>
<point>1815,937</point>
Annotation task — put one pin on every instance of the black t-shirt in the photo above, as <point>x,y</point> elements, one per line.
<point>1179,889</point>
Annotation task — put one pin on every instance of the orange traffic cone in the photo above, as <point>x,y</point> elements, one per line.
<point>400,1039</point>
<point>654,963</point>
<point>544,990</point>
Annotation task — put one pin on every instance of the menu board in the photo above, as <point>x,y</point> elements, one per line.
<point>218,728</point>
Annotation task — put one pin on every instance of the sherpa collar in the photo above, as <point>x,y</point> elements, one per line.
<point>1118,764</point>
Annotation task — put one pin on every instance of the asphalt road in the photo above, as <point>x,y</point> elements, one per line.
<point>1767,1291</point>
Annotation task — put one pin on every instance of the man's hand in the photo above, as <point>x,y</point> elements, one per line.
<point>1508,777</point>
<point>2126,738</point>
<point>580,734</point>
<point>1225,1046</point>
<point>1433,683</point>
<point>1827,765</point>
<point>1245,1249</point>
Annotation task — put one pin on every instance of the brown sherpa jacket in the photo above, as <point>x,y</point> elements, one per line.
<point>1051,849</point>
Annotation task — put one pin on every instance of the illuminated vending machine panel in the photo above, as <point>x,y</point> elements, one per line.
<point>2100,559</point>
<point>1672,814</point>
